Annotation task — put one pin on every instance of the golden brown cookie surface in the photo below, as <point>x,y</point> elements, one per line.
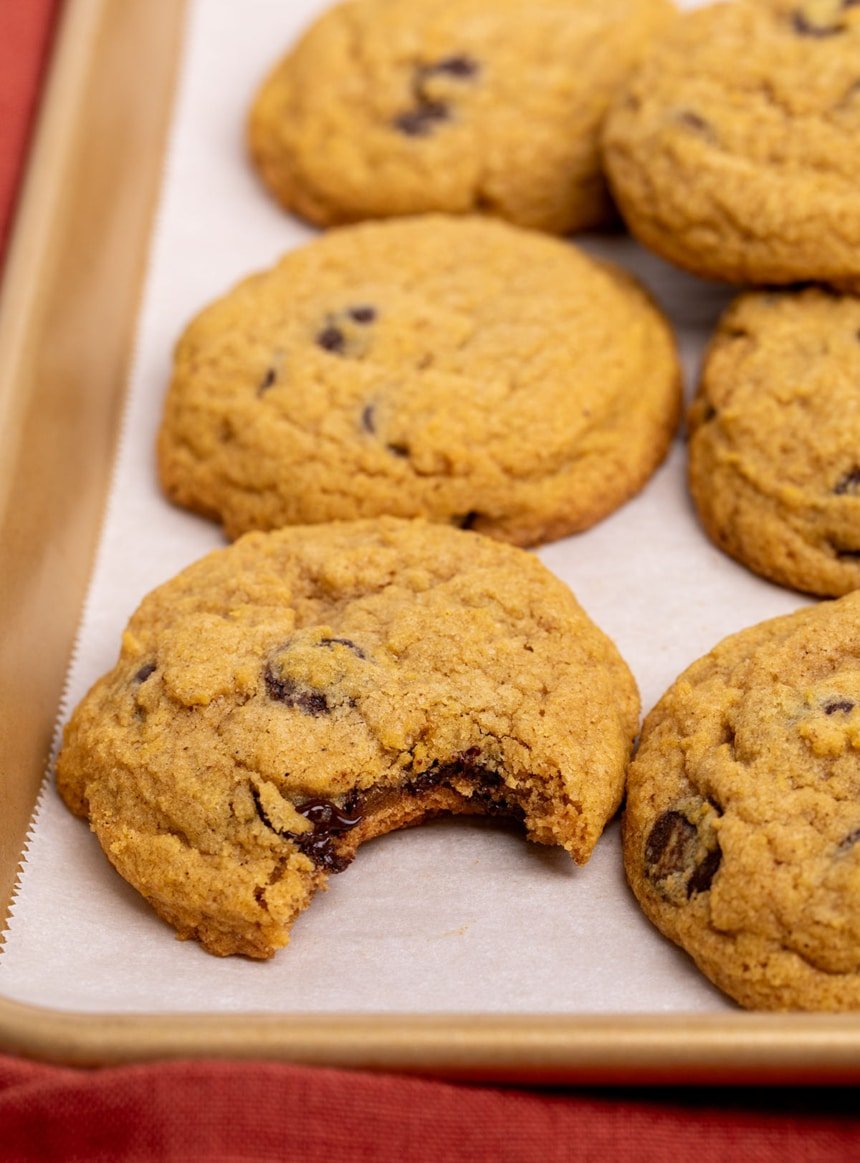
<point>775,439</point>
<point>391,107</point>
<point>457,369</point>
<point>286,698</point>
<point>734,151</point>
<point>742,825</point>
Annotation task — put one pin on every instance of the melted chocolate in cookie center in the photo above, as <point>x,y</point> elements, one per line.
<point>331,820</point>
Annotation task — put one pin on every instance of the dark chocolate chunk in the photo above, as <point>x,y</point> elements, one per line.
<point>320,849</point>
<point>420,121</point>
<point>462,67</point>
<point>848,483</point>
<point>704,873</point>
<point>709,413</point>
<point>850,840</point>
<point>845,553</point>
<point>672,849</point>
<point>286,691</point>
<point>267,381</point>
<point>326,816</point>
<point>845,706</point>
<point>332,339</point>
<point>368,419</point>
<point>145,671</point>
<point>487,784</point>
<point>343,642</point>
<point>671,846</point>
<point>328,819</point>
<point>398,449</point>
<point>695,122</point>
<point>364,314</point>
<point>426,780</point>
<point>467,521</point>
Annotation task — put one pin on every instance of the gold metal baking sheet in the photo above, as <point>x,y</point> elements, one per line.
<point>67,317</point>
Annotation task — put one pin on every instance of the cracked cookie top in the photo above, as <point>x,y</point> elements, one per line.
<point>775,438</point>
<point>742,825</point>
<point>391,107</point>
<point>286,698</point>
<point>457,369</point>
<point>734,150</point>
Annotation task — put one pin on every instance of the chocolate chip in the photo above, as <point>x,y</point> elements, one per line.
<point>328,820</point>
<point>843,706</point>
<point>850,840</point>
<point>267,381</point>
<point>709,412</point>
<point>321,850</point>
<point>398,449</point>
<point>428,112</point>
<point>343,642</point>
<point>672,851</point>
<point>849,483</point>
<point>420,122</point>
<point>671,845</point>
<point>332,339</point>
<point>368,419</point>
<point>695,122</point>
<point>326,816</point>
<point>804,26</point>
<point>362,314</point>
<point>462,67</point>
<point>145,671</point>
<point>288,692</point>
<point>704,873</point>
<point>486,782</point>
<point>467,520</point>
<point>426,780</point>
<point>845,553</point>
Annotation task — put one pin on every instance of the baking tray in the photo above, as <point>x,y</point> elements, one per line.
<point>67,322</point>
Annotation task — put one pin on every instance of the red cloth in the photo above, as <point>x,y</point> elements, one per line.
<point>25,33</point>
<point>258,1111</point>
<point>265,1111</point>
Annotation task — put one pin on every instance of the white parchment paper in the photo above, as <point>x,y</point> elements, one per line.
<point>460,915</point>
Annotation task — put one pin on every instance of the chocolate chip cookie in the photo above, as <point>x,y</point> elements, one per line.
<point>734,151</point>
<point>742,825</point>
<point>775,439</point>
<point>458,369</point>
<point>391,107</point>
<point>299,692</point>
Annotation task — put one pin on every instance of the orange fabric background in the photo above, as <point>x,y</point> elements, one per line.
<point>264,1111</point>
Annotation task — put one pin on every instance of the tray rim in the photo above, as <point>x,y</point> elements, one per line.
<point>535,1048</point>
